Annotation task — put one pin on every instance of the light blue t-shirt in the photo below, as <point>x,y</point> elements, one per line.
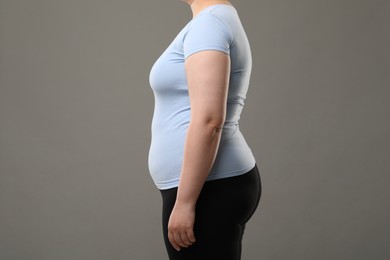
<point>217,27</point>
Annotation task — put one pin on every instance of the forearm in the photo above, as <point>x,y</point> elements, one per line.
<point>200,150</point>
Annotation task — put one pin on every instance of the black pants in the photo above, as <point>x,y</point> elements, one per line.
<point>223,208</point>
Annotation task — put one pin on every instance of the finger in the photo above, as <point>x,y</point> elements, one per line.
<point>178,240</point>
<point>173,242</point>
<point>185,239</point>
<point>191,236</point>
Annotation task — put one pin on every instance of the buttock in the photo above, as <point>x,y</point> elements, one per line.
<point>223,208</point>
<point>232,199</point>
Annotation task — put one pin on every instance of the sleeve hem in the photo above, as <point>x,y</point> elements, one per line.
<point>207,48</point>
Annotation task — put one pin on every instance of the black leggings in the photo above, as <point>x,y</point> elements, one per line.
<point>222,210</point>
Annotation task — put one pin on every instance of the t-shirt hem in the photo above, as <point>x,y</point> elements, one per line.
<point>231,174</point>
<point>175,183</point>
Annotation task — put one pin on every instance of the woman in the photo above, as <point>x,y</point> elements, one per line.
<point>198,158</point>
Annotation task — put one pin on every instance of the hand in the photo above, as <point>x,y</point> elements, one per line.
<point>180,226</point>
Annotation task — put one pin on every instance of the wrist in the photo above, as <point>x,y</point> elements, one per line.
<point>185,204</point>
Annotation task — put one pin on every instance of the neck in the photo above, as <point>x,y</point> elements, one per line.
<point>198,5</point>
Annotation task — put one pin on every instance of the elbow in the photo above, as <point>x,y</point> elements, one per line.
<point>216,123</point>
<point>213,123</point>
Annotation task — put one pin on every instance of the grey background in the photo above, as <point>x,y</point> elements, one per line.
<point>76,106</point>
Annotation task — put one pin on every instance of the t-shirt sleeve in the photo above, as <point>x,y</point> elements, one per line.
<point>207,32</point>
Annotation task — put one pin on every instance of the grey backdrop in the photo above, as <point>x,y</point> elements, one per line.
<point>76,106</point>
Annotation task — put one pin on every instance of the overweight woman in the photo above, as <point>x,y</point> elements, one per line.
<point>198,158</point>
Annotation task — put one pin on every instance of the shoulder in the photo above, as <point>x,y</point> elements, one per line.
<point>209,22</point>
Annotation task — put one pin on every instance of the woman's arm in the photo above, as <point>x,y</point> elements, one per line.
<point>208,79</point>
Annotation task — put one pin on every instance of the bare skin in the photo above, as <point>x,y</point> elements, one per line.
<point>198,5</point>
<point>208,79</point>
